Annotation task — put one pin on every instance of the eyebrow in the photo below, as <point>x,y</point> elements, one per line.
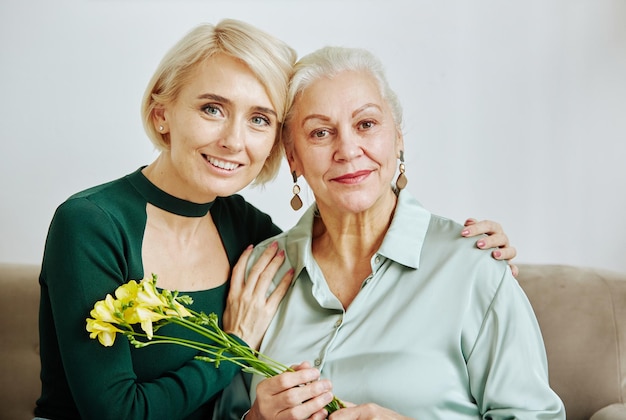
<point>224,100</point>
<point>364,107</point>
<point>354,114</point>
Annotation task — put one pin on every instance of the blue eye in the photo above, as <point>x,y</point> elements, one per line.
<point>261,120</point>
<point>211,109</point>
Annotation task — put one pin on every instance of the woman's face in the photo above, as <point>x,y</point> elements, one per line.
<point>345,142</point>
<point>221,127</point>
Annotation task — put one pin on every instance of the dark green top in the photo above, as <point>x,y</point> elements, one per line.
<point>94,246</point>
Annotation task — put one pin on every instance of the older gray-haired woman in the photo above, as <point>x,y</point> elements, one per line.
<point>398,314</point>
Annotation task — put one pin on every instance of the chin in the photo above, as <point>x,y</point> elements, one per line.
<point>353,206</point>
<point>357,202</point>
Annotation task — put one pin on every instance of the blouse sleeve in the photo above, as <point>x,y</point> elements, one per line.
<point>507,365</point>
<point>84,260</point>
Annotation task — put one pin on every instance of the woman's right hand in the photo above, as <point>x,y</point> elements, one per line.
<point>249,310</point>
<point>292,395</point>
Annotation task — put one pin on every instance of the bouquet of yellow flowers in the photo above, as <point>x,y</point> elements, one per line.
<point>142,303</point>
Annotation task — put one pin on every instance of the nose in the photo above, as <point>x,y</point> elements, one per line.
<point>232,136</point>
<point>348,145</point>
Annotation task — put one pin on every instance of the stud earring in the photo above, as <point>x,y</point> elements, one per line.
<point>402,180</point>
<point>295,202</point>
<point>160,128</point>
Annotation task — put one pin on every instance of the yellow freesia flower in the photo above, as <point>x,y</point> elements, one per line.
<point>106,310</point>
<point>179,311</point>
<point>127,292</point>
<point>141,303</point>
<point>147,295</point>
<point>146,316</point>
<point>105,331</point>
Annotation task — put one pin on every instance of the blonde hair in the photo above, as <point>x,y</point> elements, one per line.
<point>330,61</point>
<point>270,59</point>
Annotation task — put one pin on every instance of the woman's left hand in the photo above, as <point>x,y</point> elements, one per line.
<point>496,238</point>
<point>365,411</point>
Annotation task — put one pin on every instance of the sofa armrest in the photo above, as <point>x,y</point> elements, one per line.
<point>615,411</point>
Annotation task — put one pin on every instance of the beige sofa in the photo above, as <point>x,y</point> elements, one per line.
<point>582,313</point>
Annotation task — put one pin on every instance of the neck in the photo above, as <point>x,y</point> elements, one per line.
<point>353,238</point>
<point>159,173</point>
<point>181,227</point>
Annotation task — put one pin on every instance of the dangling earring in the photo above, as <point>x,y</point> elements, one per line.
<point>401,181</point>
<point>295,202</point>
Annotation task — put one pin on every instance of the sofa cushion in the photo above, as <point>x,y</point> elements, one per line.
<point>612,412</point>
<point>582,315</point>
<point>19,352</point>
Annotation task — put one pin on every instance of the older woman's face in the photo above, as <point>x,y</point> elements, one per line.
<point>222,127</point>
<point>345,142</point>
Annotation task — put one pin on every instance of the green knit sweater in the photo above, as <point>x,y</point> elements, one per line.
<point>94,246</point>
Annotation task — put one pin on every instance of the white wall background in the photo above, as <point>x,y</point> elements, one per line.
<point>514,111</point>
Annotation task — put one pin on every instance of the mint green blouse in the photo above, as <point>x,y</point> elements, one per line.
<point>94,246</point>
<point>439,330</point>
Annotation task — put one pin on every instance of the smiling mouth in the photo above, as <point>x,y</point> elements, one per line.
<point>352,178</point>
<point>222,164</point>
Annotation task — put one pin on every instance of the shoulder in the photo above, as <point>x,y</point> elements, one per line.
<point>468,265</point>
<point>99,207</point>
<point>245,220</point>
<point>105,196</point>
<point>93,200</point>
<point>444,238</point>
<point>237,204</point>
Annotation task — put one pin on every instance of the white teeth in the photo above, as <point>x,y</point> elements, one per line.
<point>229,166</point>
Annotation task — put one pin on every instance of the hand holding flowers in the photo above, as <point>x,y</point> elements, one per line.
<point>142,303</point>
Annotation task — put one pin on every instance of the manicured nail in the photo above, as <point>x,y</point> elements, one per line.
<point>291,271</point>
<point>281,253</point>
<point>480,244</point>
<point>497,254</point>
<point>249,247</point>
<point>465,232</point>
<point>274,244</point>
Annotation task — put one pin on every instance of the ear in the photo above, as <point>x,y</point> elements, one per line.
<point>293,160</point>
<point>399,142</point>
<point>159,119</point>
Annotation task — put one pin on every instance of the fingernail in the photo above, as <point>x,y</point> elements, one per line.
<point>497,254</point>
<point>281,253</point>
<point>465,232</point>
<point>480,244</point>
<point>327,386</point>
<point>291,271</point>
<point>249,247</point>
<point>274,244</point>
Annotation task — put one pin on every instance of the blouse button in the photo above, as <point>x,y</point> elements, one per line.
<point>318,362</point>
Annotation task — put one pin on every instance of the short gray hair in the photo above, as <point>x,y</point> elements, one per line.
<point>330,61</point>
